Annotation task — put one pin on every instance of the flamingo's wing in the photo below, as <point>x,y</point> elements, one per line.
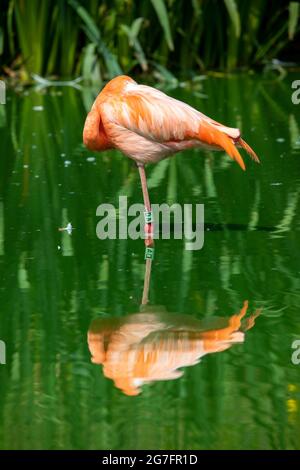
<point>151,113</point>
<point>161,118</point>
<point>154,115</point>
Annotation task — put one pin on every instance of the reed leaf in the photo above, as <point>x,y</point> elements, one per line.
<point>94,35</point>
<point>293,18</point>
<point>162,14</point>
<point>234,16</point>
<point>132,35</point>
<point>1,41</point>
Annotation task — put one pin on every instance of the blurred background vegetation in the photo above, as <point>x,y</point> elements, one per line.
<point>98,39</point>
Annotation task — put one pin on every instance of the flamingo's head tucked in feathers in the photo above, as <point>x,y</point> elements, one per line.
<point>117,84</point>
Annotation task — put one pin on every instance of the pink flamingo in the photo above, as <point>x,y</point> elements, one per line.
<point>148,126</point>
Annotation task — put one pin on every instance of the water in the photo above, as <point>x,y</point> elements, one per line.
<point>66,296</point>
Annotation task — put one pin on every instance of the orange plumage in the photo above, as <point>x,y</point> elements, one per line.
<point>155,345</point>
<point>147,125</point>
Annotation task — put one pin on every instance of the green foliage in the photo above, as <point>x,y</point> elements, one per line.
<point>162,14</point>
<point>293,18</point>
<point>234,16</point>
<point>99,39</point>
<point>102,38</point>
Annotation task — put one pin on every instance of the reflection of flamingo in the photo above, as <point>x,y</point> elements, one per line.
<point>154,345</point>
<point>147,126</point>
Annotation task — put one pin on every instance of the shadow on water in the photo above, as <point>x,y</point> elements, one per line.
<point>53,284</point>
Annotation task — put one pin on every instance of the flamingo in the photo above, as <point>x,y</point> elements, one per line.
<point>147,126</point>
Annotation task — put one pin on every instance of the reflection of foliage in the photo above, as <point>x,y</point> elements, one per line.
<point>51,396</point>
<point>103,38</point>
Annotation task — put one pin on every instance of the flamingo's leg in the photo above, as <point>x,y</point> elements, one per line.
<point>149,228</point>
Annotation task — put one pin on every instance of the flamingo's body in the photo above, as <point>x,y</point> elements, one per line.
<point>147,126</point>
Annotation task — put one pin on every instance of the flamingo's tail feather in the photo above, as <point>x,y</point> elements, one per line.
<point>248,149</point>
<point>210,135</point>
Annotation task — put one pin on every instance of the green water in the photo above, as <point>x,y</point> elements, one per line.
<point>55,285</point>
